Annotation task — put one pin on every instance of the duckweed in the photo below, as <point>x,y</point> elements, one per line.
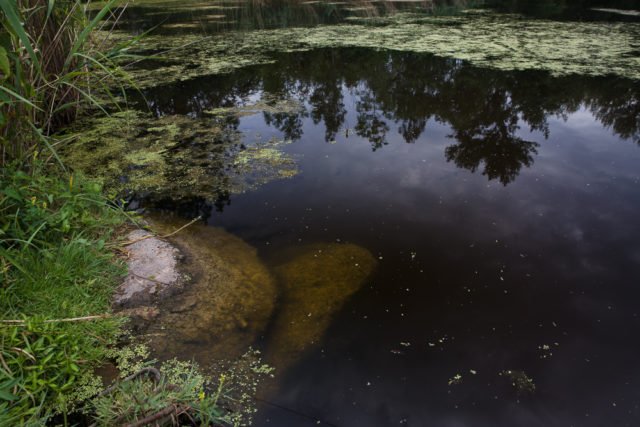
<point>483,38</point>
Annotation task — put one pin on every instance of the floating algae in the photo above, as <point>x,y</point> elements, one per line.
<point>520,381</point>
<point>315,285</point>
<point>506,42</point>
<point>268,104</point>
<point>174,157</point>
<point>259,164</point>
<point>227,305</point>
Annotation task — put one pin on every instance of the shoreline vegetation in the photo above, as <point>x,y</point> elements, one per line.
<point>55,226</point>
<point>61,245</point>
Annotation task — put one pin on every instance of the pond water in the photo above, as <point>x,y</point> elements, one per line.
<point>501,208</point>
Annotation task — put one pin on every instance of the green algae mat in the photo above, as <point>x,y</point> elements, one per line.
<point>486,39</point>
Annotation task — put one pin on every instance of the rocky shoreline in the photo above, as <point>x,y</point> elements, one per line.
<point>205,295</point>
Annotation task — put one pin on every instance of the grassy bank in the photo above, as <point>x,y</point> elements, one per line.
<point>54,265</point>
<point>54,226</point>
<point>58,247</point>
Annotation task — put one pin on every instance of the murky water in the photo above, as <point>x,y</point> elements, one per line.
<point>502,212</point>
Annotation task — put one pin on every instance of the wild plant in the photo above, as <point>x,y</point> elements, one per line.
<point>53,64</point>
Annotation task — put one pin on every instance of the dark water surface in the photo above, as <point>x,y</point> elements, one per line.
<point>503,210</point>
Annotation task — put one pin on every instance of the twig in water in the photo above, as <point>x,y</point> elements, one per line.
<point>166,235</point>
<point>149,279</point>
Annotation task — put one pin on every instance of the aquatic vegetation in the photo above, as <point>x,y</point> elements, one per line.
<point>227,305</point>
<point>173,157</point>
<point>161,396</point>
<point>316,283</point>
<point>455,380</point>
<point>240,379</point>
<point>270,104</point>
<point>132,151</point>
<point>259,164</point>
<point>482,38</point>
<point>520,381</point>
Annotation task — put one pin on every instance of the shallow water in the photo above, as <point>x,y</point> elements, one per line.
<point>501,208</point>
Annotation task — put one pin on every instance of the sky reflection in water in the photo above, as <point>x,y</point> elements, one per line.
<point>502,208</point>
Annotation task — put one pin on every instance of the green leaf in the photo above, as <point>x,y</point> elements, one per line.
<point>13,20</point>
<point>21,98</point>
<point>5,67</point>
<point>84,35</point>
<point>50,7</point>
<point>5,395</point>
<point>12,193</point>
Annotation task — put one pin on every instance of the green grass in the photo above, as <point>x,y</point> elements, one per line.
<point>57,231</point>
<point>54,226</point>
<point>54,264</point>
<point>57,235</point>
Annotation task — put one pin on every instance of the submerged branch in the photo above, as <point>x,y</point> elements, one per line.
<point>193,221</point>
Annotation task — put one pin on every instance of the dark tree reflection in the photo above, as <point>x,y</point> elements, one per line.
<point>383,90</point>
<point>503,154</point>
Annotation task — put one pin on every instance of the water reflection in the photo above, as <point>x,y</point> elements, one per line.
<point>196,16</point>
<point>486,110</point>
<point>179,17</point>
<point>473,278</point>
<point>564,9</point>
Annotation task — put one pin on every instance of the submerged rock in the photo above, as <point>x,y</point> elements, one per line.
<point>315,285</point>
<point>225,308</point>
<point>227,296</point>
<point>153,270</point>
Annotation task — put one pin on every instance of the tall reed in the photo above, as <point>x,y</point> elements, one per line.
<point>51,64</point>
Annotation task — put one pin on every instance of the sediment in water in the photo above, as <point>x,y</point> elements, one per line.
<point>315,284</point>
<point>226,306</point>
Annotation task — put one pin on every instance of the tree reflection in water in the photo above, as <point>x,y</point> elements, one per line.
<point>484,108</point>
